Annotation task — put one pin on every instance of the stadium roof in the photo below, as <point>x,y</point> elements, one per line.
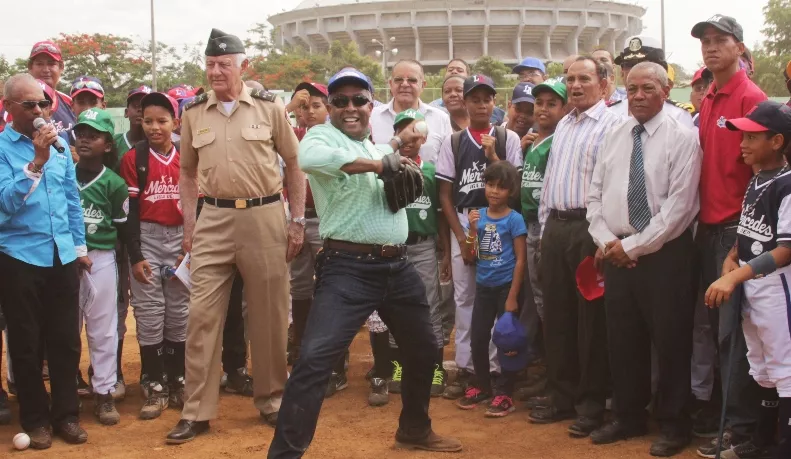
<point>307,4</point>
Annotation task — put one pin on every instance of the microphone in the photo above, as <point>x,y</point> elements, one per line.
<point>39,123</point>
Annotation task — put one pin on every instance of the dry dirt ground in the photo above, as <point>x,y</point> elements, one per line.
<point>347,428</point>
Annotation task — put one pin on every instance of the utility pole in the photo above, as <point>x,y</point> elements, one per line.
<point>662,7</point>
<point>153,51</point>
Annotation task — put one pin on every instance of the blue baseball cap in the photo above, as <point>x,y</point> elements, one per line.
<point>530,63</point>
<point>523,92</point>
<point>349,75</point>
<point>510,337</point>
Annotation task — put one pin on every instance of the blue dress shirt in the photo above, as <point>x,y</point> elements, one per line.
<point>38,211</point>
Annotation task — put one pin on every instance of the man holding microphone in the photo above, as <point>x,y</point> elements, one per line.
<point>42,250</point>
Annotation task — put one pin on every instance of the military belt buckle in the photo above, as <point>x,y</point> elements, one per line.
<point>240,203</point>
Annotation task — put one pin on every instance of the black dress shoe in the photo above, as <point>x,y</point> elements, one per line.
<point>186,431</point>
<point>583,426</point>
<point>669,444</point>
<point>550,415</point>
<point>616,430</point>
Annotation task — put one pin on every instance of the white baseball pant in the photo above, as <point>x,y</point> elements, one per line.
<point>766,305</point>
<point>101,320</point>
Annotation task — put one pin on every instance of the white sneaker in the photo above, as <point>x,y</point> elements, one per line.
<point>119,390</point>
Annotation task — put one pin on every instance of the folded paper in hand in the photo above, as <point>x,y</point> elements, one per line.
<point>183,271</point>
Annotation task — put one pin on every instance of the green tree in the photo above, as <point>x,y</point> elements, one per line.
<point>347,55</point>
<point>262,39</point>
<point>494,69</point>
<point>554,69</point>
<point>777,27</point>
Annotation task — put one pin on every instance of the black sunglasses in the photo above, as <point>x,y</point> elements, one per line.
<point>31,104</point>
<point>342,101</point>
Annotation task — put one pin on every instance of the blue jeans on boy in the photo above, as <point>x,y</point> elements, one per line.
<point>349,287</point>
<point>489,306</point>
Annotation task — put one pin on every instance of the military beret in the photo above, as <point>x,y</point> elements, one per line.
<point>221,44</point>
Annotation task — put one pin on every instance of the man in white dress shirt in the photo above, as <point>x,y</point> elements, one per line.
<point>406,84</point>
<point>641,204</point>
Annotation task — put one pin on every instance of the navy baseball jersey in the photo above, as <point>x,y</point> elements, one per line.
<point>768,221</point>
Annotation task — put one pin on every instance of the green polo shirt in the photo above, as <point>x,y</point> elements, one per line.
<point>351,208</point>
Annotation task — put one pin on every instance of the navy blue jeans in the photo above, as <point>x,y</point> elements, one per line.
<point>349,287</point>
<point>489,306</point>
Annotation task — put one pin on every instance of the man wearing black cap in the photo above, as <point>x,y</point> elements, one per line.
<point>646,49</point>
<point>723,180</point>
<point>232,138</point>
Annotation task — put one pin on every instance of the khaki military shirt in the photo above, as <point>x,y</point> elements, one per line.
<point>236,153</point>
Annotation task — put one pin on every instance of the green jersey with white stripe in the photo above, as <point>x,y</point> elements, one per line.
<point>105,201</point>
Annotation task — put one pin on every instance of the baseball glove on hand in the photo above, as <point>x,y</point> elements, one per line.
<point>402,185</point>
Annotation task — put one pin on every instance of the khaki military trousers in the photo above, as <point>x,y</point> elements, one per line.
<point>255,241</point>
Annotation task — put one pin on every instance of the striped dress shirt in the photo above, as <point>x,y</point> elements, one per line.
<point>572,159</point>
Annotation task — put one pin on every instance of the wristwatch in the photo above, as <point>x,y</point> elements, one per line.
<point>397,140</point>
<point>299,220</point>
<point>34,168</point>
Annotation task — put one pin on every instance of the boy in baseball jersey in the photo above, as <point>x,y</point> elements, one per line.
<point>428,229</point>
<point>760,263</point>
<point>550,98</point>
<point>159,301</point>
<point>105,205</point>
<point>463,157</point>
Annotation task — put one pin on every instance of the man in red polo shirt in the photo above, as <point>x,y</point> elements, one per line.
<point>723,181</point>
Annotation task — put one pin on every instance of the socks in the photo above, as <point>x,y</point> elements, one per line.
<point>118,367</point>
<point>440,357</point>
<point>766,428</point>
<point>784,448</point>
<point>174,359</point>
<point>152,362</point>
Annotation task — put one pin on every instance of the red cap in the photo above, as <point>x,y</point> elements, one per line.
<point>590,282</point>
<point>182,91</point>
<point>49,93</point>
<point>46,47</point>
<point>313,88</point>
<point>161,99</point>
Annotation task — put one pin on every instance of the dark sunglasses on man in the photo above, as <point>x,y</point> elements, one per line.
<point>342,100</point>
<point>31,104</point>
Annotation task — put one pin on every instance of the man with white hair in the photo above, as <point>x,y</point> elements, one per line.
<point>641,204</point>
<point>231,139</point>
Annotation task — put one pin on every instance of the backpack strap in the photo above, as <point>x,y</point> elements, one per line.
<point>141,164</point>
<point>500,140</point>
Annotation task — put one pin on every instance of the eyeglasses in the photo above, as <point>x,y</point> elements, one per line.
<point>399,81</point>
<point>45,47</point>
<point>87,84</point>
<point>31,104</point>
<point>342,101</point>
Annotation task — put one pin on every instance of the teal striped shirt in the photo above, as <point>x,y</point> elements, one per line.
<point>350,207</point>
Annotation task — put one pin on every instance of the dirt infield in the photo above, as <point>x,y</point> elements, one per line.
<point>347,428</point>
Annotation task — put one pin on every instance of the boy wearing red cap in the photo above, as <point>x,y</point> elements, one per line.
<point>46,63</point>
<point>160,302</point>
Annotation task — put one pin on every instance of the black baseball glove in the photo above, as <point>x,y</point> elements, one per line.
<point>403,182</point>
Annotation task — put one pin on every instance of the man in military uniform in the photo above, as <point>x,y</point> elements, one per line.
<point>641,49</point>
<point>231,139</point>
<point>363,268</point>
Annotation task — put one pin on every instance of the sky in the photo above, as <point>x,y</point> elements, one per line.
<point>180,22</point>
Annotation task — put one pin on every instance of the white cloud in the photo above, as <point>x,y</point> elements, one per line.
<point>182,22</point>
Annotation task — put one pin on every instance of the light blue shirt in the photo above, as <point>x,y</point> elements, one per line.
<point>38,211</point>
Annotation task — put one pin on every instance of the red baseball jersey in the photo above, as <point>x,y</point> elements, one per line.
<point>160,201</point>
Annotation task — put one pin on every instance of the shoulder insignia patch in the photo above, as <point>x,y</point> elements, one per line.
<point>200,99</point>
<point>682,105</point>
<point>610,104</point>
<point>263,95</point>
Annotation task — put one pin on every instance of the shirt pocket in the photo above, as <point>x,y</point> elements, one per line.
<point>255,139</point>
<point>206,158</point>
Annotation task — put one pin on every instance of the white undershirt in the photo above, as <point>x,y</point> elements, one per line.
<point>228,106</point>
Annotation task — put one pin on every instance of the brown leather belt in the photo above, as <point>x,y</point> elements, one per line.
<point>241,203</point>
<point>571,214</point>
<point>383,251</point>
